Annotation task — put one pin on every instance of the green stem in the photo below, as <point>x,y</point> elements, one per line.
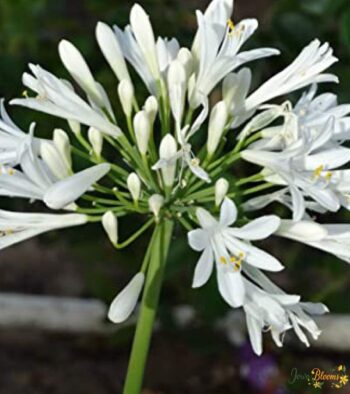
<point>150,299</point>
<point>135,235</point>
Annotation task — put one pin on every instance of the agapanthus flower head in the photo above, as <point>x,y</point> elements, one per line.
<point>173,161</point>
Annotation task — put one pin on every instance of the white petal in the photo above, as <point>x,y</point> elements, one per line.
<point>255,335</point>
<point>124,304</point>
<point>204,268</point>
<point>301,231</point>
<point>231,287</point>
<point>228,212</point>
<point>205,218</point>
<point>198,239</point>
<point>257,229</point>
<point>298,203</point>
<point>70,189</point>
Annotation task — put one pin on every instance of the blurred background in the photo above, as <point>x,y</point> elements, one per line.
<point>198,348</point>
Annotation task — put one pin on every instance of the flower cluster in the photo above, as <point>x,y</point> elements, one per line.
<point>176,156</point>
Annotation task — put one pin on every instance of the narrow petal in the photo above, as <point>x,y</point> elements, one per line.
<point>204,268</point>
<point>255,334</point>
<point>228,212</point>
<point>70,189</point>
<point>231,287</point>
<point>257,229</point>
<point>205,218</point>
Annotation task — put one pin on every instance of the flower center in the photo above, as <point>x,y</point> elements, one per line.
<point>318,173</point>
<point>9,171</point>
<point>231,27</point>
<point>235,261</point>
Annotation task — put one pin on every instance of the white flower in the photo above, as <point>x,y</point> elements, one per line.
<point>217,45</point>
<point>110,225</point>
<point>17,226</point>
<point>124,304</point>
<point>229,249</point>
<point>57,97</point>
<point>177,83</point>
<point>306,169</point>
<point>278,313</point>
<point>64,192</point>
<point>306,69</point>
<point>330,238</point>
<point>13,141</point>
<point>149,59</point>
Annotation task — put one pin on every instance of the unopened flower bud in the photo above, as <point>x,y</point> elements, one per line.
<point>142,131</point>
<point>155,203</point>
<point>126,96</point>
<point>217,122</point>
<point>134,186</point>
<point>167,151</point>
<point>221,189</point>
<point>74,126</point>
<point>185,57</point>
<point>177,89</point>
<point>111,50</point>
<point>54,160</point>
<point>151,107</point>
<point>62,143</point>
<point>96,140</point>
<point>110,225</point>
<point>125,302</point>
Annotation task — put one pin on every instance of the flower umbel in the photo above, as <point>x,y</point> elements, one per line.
<point>172,161</point>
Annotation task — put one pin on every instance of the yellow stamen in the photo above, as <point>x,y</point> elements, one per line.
<point>233,259</point>
<point>10,171</point>
<point>317,173</point>
<point>223,260</point>
<point>329,176</point>
<point>25,93</point>
<point>231,26</point>
<point>9,232</point>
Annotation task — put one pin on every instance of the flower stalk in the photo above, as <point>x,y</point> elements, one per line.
<point>159,246</point>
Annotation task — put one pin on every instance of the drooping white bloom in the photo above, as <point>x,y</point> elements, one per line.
<point>221,189</point>
<point>57,97</point>
<point>270,309</point>
<point>17,226</point>
<point>111,50</point>
<point>155,203</point>
<point>96,140</point>
<point>228,248</point>
<point>70,189</point>
<point>110,225</point>
<point>134,186</point>
<point>124,304</point>
<point>217,45</point>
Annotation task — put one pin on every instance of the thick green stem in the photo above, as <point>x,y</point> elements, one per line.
<point>149,304</point>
